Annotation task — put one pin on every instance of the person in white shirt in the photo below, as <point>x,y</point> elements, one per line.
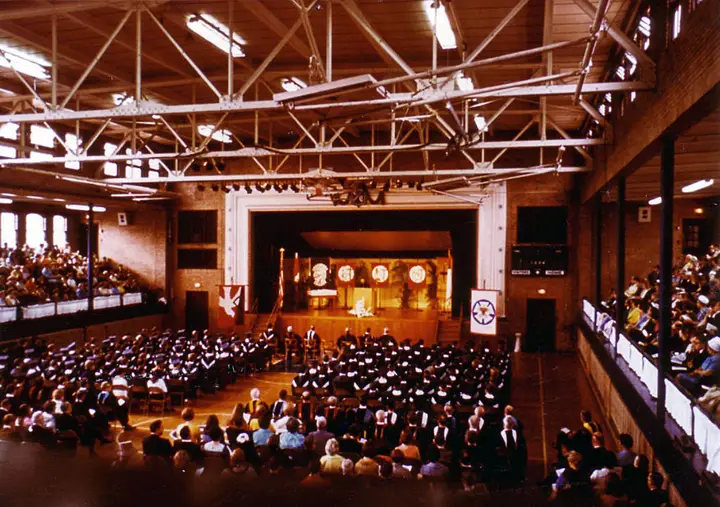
<point>157,381</point>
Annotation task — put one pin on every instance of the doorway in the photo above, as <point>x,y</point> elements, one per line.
<point>197,317</point>
<point>540,330</point>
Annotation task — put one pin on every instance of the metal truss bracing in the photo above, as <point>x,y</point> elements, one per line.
<point>418,107</point>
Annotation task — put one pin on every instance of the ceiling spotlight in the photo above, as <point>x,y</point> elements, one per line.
<point>195,167</point>
<point>284,186</point>
<point>410,184</point>
<point>277,188</point>
<point>259,187</point>
<point>201,188</point>
<point>236,187</point>
<point>294,188</point>
<point>220,166</point>
<point>248,189</point>
<point>373,184</point>
<point>226,190</point>
<point>419,185</point>
<point>215,187</point>
<point>268,187</point>
<point>209,167</point>
<point>398,183</point>
<point>386,186</point>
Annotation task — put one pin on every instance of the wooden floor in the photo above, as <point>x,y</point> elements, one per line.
<point>548,392</point>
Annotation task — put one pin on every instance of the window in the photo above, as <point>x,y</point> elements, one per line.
<point>74,144</point>
<point>42,136</point>
<point>197,258</point>
<point>677,21</point>
<point>197,227</point>
<point>39,155</point>
<point>35,226</point>
<point>23,62</point>
<point>133,168</point>
<point>643,30</point>
<point>217,34</point>
<point>60,231</point>
<point>8,151</point>
<point>154,168</point>
<point>110,168</point>
<point>9,131</point>
<point>8,229</point>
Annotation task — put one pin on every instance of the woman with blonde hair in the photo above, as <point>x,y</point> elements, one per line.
<point>331,463</point>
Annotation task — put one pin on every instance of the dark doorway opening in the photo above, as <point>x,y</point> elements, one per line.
<point>540,330</point>
<point>197,316</point>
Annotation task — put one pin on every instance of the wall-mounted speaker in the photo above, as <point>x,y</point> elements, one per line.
<point>122,219</point>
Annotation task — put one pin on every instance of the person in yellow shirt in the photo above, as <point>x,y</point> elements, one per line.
<point>633,315</point>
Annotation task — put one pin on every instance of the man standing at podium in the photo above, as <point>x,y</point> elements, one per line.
<point>387,340</point>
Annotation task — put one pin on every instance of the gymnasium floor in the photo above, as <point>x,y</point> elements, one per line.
<point>548,392</point>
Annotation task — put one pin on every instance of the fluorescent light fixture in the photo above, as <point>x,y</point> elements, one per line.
<point>7,92</point>
<point>655,201</point>
<point>5,200</point>
<point>481,123</point>
<point>84,207</point>
<point>23,62</point>
<point>434,10</point>
<point>217,34</point>
<point>698,185</point>
<point>224,136</point>
<point>464,83</point>
<point>292,84</point>
<point>9,130</point>
<point>35,197</point>
<point>57,199</point>
<point>7,194</point>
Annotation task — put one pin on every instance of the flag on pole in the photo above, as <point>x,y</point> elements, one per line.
<point>281,278</point>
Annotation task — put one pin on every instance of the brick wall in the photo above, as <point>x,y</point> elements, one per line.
<point>688,71</point>
<point>140,245</point>
<point>549,190</point>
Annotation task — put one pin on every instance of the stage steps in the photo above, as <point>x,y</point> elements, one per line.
<point>449,331</point>
<point>260,324</point>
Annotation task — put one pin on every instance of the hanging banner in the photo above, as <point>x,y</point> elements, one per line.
<point>230,306</point>
<point>380,275</point>
<point>345,276</point>
<point>483,312</point>
<point>417,276</point>
<point>320,273</point>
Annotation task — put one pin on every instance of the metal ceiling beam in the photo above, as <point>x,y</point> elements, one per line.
<point>61,8</point>
<point>319,150</point>
<point>131,111</point>
<point>329,175</point>
<point>271,21</point>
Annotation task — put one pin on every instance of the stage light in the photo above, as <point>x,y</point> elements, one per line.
<point>398,183</point>
<point>248,189</point>
<point>284,186</point>
<point>195,167</point>
<point>215,187</point>
<point>226,190</point>
<point>386,186</point>
<point>259,187</point>
<point>419,185</point>
<point>294,188</point>
<point>220,166</point>
<point>373,185</point>
<point>277,188</point>
<point>698,185</point>
<point>201,188</point>
<point>268,187</point>
<point>236,187</point>
<point>410,184</point>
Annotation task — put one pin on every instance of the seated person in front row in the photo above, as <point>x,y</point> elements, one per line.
<point>707,374</point>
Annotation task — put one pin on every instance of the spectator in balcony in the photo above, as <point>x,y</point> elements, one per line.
<point>656,496</point>
<point>625,455</point>
<point>708,373</point>
<point>634,287</point>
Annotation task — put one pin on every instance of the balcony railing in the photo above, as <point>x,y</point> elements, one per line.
<point>688,414</point>
<point>41,311</point>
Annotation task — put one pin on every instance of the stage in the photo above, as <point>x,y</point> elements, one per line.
<point>330,324</point>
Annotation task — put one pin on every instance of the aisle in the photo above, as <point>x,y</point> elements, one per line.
<point>548,392</point>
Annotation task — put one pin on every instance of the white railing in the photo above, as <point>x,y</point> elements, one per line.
<point>38,311</point>
<point>8,314</point>
<point>70,307</point>
<point>683,409</point>
<point>132,299</point>
<point>102,302</point>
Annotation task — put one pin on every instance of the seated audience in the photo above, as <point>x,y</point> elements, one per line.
<point>331,463</point>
